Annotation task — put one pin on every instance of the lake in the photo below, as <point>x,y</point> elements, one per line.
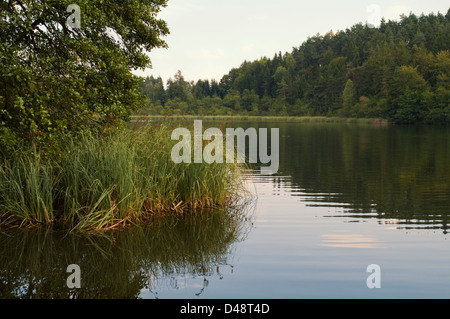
<point>346,196</point>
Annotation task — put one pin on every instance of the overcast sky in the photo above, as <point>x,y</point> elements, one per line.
<point>210,37</point>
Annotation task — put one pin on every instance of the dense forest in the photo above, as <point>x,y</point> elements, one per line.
<point>398,71</point>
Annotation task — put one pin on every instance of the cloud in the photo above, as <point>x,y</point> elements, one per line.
<point>211,54</point>
<point>394,12</point>
<point>212,70</point>
<point>259,17</point>
<point>182,8</point>
<point>248,48</point>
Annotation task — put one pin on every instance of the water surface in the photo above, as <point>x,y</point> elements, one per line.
<point>346,196</point>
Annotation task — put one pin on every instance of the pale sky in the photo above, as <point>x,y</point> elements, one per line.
<point>210,37</point>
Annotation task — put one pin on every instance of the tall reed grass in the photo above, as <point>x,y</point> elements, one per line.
<point>118,179</point>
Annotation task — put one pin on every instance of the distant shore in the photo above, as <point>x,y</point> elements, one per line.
<point>300,119</point>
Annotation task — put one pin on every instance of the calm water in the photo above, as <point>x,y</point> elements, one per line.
<point>346,196</point>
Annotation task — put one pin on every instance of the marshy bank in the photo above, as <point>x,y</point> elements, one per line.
<point>101,183</point>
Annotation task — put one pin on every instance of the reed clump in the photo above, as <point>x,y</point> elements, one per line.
<point>100,183</point>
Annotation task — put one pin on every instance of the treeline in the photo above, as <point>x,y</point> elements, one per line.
<point>398,71</point>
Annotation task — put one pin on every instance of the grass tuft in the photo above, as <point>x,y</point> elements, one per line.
<point>102,183</point>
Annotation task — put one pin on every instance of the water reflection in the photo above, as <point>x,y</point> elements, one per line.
<point>122,263</point>
<point>349,240</point>
<point>395,174</point>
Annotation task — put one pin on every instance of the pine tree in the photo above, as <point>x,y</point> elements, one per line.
<point>348,98</point>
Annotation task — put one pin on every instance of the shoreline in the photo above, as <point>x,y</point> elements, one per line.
<point>262,118</point>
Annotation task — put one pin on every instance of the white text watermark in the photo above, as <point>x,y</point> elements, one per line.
<point>213,152</point>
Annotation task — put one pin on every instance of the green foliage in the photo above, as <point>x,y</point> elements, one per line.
<point>408,94</point>
<point>349,99</point>
<point>399,71</point>
<point>58,80</point>
<point>178,87</point>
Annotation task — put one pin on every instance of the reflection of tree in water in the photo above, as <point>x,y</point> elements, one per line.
<point>396,173</point>
<point>119,264</point>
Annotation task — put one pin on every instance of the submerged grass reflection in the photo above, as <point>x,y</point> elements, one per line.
<point>119,264</point>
